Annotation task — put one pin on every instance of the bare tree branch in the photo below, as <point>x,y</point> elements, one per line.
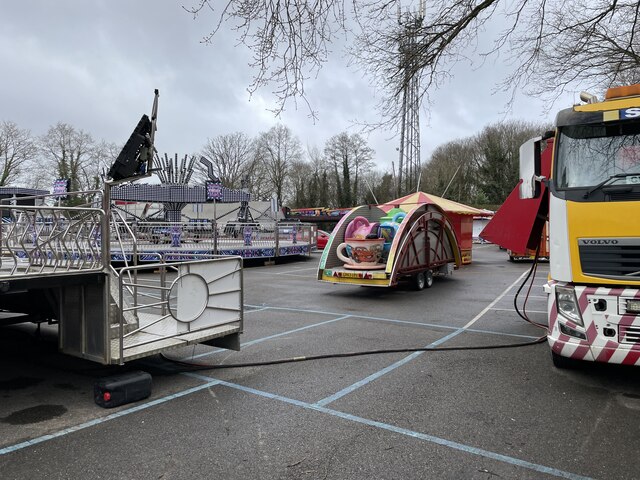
<point>551,45</point>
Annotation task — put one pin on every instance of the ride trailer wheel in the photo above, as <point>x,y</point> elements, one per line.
<point>428,277</point>
<point>423,280</point>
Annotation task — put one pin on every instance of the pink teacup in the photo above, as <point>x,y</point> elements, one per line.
<point>365,252</point>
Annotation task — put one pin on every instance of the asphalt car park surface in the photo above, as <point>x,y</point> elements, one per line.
<point>479,414</point>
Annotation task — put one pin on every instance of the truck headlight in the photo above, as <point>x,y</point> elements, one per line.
<point>568,304</point>
<point>633,306</point>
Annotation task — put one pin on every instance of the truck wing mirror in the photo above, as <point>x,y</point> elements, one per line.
<point>530,168</point>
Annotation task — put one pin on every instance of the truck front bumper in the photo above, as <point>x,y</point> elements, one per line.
<point>609,333</point>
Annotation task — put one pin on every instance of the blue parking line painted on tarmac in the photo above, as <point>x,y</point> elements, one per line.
<point>293,309</point>
<point>270,337</point>
<point>384,371</point>
<point>210,382</point>
<point>390,320</point>
<point>407,322</point>
<point>18,446</point>
<point>446,327</point>
<point>320,406</point>
<point>295,330</point>
<point>404,431</point>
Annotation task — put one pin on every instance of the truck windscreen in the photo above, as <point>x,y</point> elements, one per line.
<point>588,155</point>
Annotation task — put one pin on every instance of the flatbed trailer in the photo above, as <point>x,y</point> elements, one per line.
<point>54,268</point>
<point>424,246</point>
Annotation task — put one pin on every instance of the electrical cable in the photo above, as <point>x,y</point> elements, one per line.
<point>195,366</point>
<point>532,271</point>
<point>202,366</point>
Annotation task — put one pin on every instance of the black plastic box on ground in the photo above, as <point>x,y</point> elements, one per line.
<point>117,390</point>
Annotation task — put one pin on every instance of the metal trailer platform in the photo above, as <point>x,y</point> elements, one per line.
<point>52,269</point>
<point>424,246</point>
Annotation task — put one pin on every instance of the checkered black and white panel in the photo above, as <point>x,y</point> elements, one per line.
<point>168,193</point>
<point>24,192</point>
<point>173,216</point>
<point>231,196</point>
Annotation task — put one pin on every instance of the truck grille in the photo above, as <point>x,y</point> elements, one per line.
<point>629,334</point>
<point>611,260</point>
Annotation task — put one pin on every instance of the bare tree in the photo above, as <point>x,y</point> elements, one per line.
<point>380,187</point>
<point>497,153</point>
<point>72,154</point>
<point>276,150</point>
<point>319,188</point>
<point>17,149</point>
<point>232,156</point>
<point>362,163</point>
<point>338,153</point>
<point>593,45</point>
<point>451,171</point>
<point>552,44</point>
<point>349,157</point>
<point>299,181</point>
<point>102,156</point>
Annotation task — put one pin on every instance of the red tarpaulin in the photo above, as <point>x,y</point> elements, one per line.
<point>518,224</point>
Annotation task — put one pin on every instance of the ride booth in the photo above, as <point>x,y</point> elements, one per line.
<point>460,216</point>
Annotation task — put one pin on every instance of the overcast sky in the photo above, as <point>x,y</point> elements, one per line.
<point>94,64</point>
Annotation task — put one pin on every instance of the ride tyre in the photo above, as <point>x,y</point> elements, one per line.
<point>428,279</point>
<point>422,280</point>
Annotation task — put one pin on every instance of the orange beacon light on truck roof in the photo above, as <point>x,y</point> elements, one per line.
<point>626,91</point>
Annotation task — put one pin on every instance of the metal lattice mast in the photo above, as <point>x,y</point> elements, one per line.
<point>409,151</point>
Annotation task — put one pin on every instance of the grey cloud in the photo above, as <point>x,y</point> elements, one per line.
<point>95,65</point>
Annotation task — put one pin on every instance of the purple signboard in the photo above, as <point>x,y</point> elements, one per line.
<point>61,187</point>
<point>214,191</point>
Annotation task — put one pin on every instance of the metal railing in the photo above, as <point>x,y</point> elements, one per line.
<point>124,312</point>
<point>191,239</point>
<point>50,239</point>
<point>265,235</point>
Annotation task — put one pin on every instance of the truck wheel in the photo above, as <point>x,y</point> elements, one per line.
<point>562,362</point>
